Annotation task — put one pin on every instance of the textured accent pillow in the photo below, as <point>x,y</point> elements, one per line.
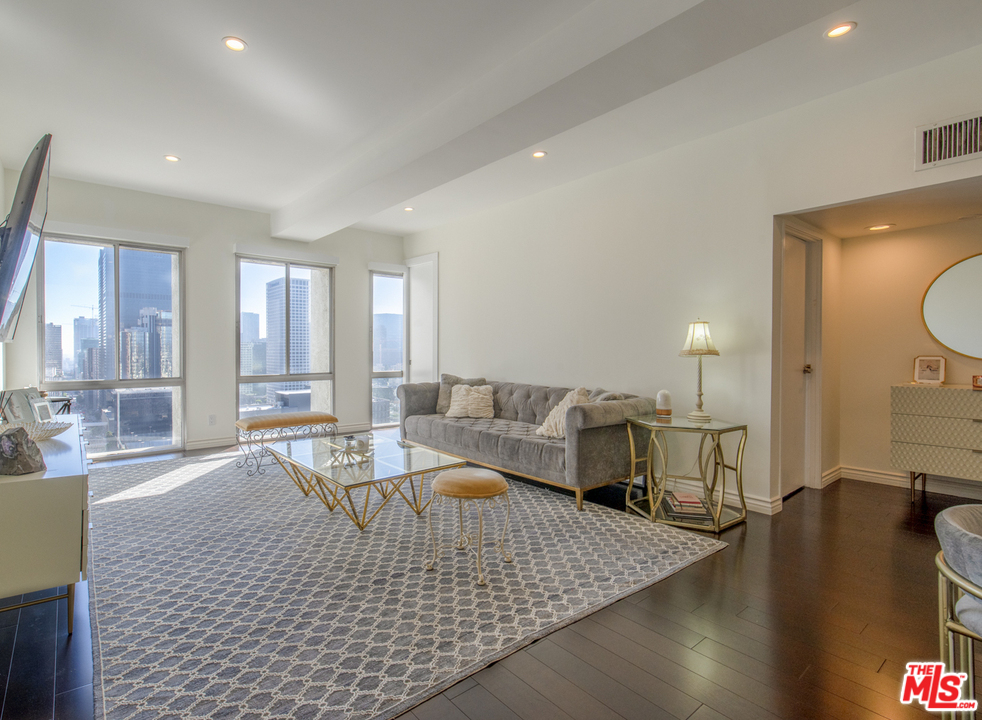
<point>473,402</point>
<point>555,424</point>
<point>595,395</point>
<point>447,383</point>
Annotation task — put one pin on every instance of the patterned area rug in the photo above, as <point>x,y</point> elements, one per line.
<point>217,595</point>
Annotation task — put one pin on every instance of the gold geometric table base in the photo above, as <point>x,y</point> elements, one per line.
<point>347,498</point>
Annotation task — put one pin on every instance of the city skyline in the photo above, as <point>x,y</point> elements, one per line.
<point>80,276</point>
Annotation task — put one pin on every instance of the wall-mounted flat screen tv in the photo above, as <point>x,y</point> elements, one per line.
<point>21,236</point>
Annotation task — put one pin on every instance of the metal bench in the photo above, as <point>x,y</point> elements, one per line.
<point>252,433</point>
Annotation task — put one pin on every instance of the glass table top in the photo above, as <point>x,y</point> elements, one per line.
<point>389,459</point>
<point>681,422</point>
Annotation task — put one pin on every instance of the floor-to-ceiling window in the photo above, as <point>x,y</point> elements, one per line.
<point>285,349</point>
<point>388,345</point>
<point>112,341</point>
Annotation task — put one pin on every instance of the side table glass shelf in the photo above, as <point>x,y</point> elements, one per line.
<point>711,460</point>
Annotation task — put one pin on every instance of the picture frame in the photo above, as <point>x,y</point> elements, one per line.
<point>17,404</point>
<point>929,370</point>
<point>42,409</point>
<point>977,382</point>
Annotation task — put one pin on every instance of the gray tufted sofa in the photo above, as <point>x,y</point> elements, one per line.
<point>595,451</point>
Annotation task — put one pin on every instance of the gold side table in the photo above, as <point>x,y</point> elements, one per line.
<point>649,502</point>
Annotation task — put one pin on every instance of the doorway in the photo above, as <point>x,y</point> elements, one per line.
<point>799,420</point>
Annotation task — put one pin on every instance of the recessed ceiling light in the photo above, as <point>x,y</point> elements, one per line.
<point>408,209</point>
<point>841,29</point>
<point>539,154</point>
<point>880,227</point>
<point>234,43</point>
<point>172,158</point>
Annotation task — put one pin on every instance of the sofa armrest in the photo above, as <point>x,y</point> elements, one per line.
<point>597,447</point>
<point>608,412</point>
<point>416,399</point>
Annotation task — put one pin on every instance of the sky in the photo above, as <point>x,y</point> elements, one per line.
<point>71,287</point>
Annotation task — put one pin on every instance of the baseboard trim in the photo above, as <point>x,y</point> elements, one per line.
<point>225,442</point>
<point>935,483</point>
<point>755,503</point>
<point>830,476</point>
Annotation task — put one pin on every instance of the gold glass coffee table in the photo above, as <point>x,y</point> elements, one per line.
<point>345,473</point>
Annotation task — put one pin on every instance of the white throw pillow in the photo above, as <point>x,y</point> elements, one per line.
<point>474,402</point>
<point>555,424</point>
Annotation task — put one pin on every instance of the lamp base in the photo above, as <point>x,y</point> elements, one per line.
<point>698,416</point>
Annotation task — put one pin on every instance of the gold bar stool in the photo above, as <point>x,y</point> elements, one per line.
<point>483,488</point>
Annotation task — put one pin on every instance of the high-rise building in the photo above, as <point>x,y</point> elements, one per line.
<point>106,369</point>
<point>248,340</point>
<point>249,332</point>
<point>145,314</point>
<point>52,352</point>
<point>85,335</point>
<point>144,282</point>
<point>387,341</point>
<point>276,333</point>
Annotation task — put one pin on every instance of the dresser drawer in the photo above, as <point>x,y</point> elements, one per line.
<point>956,402</point>
<point>935,460</point>
<point>943,431</point>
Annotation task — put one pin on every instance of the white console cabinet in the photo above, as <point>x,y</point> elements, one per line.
<point>44,521</point>
<point>937,430</point>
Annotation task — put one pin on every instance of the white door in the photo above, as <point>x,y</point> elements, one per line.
<point>423,318</point>
<point>793,361</point>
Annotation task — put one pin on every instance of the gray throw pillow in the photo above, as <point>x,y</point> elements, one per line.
<point>446,389</point>
<point>608,396</point>
<point>595,395</point>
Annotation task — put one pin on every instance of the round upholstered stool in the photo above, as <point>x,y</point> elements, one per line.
<point>483,488</point>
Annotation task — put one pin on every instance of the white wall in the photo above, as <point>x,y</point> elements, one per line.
<point>594,282</point>
<point>884,281</point>
<point>213,232</point>
<point>832,314</point>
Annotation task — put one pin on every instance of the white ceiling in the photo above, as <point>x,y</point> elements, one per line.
<point>342,113</point>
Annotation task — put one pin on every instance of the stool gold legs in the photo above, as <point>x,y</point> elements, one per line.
<point>467,541</point>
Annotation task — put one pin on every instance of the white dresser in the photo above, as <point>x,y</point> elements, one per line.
<point>936,430</point>
<point>44,521</point>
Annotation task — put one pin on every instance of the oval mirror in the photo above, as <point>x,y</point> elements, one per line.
<point>952,306</point>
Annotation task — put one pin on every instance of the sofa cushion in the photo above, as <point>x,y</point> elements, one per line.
<point>507,444</point>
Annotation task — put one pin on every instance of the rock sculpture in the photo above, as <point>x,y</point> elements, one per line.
<point>19,454</point>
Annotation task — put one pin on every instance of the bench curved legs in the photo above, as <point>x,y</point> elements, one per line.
<point>252,443</point>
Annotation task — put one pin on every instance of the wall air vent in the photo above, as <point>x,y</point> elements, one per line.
<point>950,141</point>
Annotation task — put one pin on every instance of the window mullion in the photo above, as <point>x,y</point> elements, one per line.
<point>118,364</point>
<point>286,318</point>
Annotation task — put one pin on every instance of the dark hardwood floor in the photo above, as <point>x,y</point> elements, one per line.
<point>811,613</point>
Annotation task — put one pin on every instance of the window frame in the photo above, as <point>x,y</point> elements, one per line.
<point>241,379</point>
<point>372,373</point>
<point>177,381</point>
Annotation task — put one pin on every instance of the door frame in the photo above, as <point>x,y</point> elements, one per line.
<point>813,349</point>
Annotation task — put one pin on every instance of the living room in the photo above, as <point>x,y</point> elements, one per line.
<point>585,267</point>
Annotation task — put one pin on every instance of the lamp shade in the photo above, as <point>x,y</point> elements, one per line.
<point>699,341</point>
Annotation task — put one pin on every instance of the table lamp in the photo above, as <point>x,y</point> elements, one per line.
<point>699,343</point>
